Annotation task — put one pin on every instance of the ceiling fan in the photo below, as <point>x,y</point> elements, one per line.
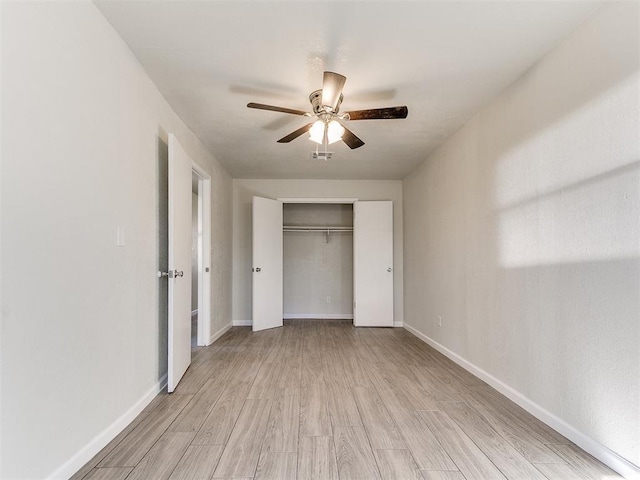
<point>326,102</point>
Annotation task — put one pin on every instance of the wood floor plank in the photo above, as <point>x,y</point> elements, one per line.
<point>310,372</point>
<point>470,460</point>
<point>242,451</point>
<point>84,471</point>
<point>115,473</point>
<point>263,384</point>
<point>130,451</point>
<point>162,459</point>
<point>442,475</point>
<point>510,462</point>
<point>289,374</point>
<point>284,422</point>
<point>411,392</point>
<point>517,414</point>
<point>314,413</point>
<point>277,466</point>
<point>421,441</point>
<point>354,455</point>
<point>381,428</point>
<point>343,410</point>
<point>316,459</point>
<point>525,441</point>
<point>436,389</point>
<point>354,370</point>
<point>198,463</point>
<point>583,462</point>
<point>219,423</point>
<point>195,413</point>
<point>195,378</point>
<point>563,471</point>
<point>397,464</point>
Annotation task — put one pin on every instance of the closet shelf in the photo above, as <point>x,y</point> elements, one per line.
<point>304,228</point>
<point>327,230</point>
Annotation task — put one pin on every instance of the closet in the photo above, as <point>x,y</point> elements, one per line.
<point>318,260</point>
<point>339,261</point>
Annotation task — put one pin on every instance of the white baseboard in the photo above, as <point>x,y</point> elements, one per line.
<point>625,468</point>
<point>320,316</point>
<point>242,323</point>
<point>219,333</point>
<point>76,462</point>
<point>398,324</point>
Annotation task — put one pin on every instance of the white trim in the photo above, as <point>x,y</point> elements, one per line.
<point>320,316</point>
<point>219,333</point>
<point>588,444</point>
<point>398,324</point>
<point>317,200</point>
<point>242,323</point>
<point>86,453</point>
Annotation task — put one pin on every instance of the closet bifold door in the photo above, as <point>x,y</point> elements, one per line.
<point>373,264</point>
<point>266,273</point>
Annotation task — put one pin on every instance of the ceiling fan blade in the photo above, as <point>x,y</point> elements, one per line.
<point>332,84</point>
<point>350,139</point>
<point>261,106</point>
<point>295,134</point>
<point>388,113</point>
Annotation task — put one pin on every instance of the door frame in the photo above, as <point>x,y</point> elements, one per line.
<point>317,200</point>
<point>204,255</point>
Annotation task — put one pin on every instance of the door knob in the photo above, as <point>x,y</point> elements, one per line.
<point>171,274</point>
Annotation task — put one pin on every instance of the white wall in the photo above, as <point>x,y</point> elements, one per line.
<point>522,231</point>
<point>318,269</point>
<point>84,134</point>
<point>245,189</point>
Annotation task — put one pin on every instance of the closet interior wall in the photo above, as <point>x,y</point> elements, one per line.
<point>318,267</point>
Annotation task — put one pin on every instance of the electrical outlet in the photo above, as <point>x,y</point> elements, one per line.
<point>439,320</point>
<point>328,299</point>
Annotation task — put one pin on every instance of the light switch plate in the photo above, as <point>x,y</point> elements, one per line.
<point>120,236</point>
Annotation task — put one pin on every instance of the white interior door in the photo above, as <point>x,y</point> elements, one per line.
<point>267,264</point>
<point>179,263</point>
<point>373,264</point>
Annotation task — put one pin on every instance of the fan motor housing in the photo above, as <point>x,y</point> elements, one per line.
<point>316,102</point>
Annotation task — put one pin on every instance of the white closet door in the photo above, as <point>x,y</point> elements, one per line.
<point>179,330</point>
<point>267,264</point>
<point>373,264</point>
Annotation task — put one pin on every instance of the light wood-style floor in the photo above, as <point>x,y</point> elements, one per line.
<point>320,399</point>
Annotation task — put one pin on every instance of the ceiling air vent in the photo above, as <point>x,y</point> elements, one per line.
<point>321,156</point>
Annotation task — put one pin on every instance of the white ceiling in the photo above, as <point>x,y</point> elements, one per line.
<point>443,59</point>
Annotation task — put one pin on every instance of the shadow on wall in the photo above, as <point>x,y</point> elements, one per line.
<point>163,254</point>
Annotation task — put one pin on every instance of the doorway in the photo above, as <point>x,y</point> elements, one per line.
<point>195,254</point>
<point>200,257</point>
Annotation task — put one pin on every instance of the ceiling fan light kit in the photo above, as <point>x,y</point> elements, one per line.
<point>328,132</point>
<point>326,103</point>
